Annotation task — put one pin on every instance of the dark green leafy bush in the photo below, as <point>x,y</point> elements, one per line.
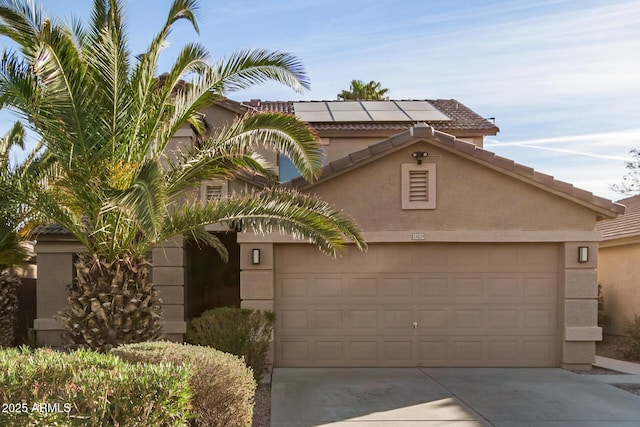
<point>632,339</point>
<point>603,318</point>
<point>222,386</point>
<point>8,307</point>
<point>242,332</point>
<point>84,388</point>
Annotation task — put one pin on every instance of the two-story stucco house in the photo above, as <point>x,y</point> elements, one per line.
<point>473,260</point>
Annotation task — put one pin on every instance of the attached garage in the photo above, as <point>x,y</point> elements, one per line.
<point>473,260</point>
<point>418,304</point>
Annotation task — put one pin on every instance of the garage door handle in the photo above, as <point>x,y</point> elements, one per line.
<point>415,325</point>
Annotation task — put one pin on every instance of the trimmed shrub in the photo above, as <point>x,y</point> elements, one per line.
<point>238,331</point>
<point>84,388</point>
<point>632,339</point>
<point>222,386</point>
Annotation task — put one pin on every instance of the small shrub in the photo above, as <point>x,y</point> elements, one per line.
<point>84,388</point>
<point>603,318</point>
<point>632,338</point>
<point>237,331</point>
<point>222,386</point>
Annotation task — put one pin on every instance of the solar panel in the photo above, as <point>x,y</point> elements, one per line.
<point>309,106</point>
<point>379,106</point>
<point>314,116</point>
<point>415,105</point>
<point>427,116</point>
<point>389,116</point>
<point>351,116</point>
<point>345,106</point>
<point>367,111</point>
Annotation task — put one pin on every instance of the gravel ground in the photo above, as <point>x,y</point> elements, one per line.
<point>631,388</point>
<point>596,370</point>
<point>613,346</point>
<point>262,406</point>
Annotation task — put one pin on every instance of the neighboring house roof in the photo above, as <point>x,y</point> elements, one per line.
<point>50,230</point>
<point>627,225</point>
<point>460,117</point>
<point>421,132</point>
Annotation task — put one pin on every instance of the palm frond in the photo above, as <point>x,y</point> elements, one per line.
<point>247,68</point>
<point>143,75</point>
<point>303,217</point>
<point>190,167</point>
<point>143,202</point>
<point>281,133</point>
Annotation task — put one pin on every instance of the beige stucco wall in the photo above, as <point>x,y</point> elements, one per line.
<point>619,275</point>
<point>468,197</point>
<point>336,147</point>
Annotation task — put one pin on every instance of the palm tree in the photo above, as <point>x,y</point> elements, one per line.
<point>105,120</point>
<point>12,251</point>
<point>360,90</point>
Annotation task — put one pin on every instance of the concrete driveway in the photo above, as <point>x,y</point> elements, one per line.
<point>471,397</point>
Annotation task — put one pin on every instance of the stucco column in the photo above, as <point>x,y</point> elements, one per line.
<point>580,328</point>
<point>257,280</point>
<point>169,279</point>
<point>55,274</point>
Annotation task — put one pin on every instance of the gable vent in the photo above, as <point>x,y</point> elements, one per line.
<point>214,192</point>
<point>419,186</point>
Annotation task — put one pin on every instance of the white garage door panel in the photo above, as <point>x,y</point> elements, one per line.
<point>478,305</point>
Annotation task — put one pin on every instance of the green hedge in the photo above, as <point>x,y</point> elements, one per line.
<point>222,386</point>
<point>84,388</point>
<point>238,331</point>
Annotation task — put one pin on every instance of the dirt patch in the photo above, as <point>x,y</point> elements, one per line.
<point>631,388</point>
<point>262,406</point>
<point>613,346</point>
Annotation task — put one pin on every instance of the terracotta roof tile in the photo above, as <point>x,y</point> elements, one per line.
<point>359,155</point>
<point>50,229</point>
<point>627,225</point>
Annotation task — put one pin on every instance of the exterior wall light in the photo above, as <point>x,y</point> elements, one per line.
<point>419,155</point>
<point>255,256</point>
<point>583,254</point>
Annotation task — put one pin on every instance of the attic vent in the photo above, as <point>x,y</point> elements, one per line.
<point>214,192</point>
<point>419,186</point>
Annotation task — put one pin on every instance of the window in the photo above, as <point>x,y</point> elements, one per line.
<point>418,186</point>
<point>287,170</point>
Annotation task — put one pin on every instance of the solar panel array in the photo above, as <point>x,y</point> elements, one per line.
<point>368,111</point>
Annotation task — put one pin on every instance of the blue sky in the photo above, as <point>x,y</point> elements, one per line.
<point>562,78</point>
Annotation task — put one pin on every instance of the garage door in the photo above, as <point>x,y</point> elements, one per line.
<point>417,305</point>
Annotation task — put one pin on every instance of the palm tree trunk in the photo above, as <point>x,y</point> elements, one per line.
<point>111,303</point>
<point>9,282</point>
